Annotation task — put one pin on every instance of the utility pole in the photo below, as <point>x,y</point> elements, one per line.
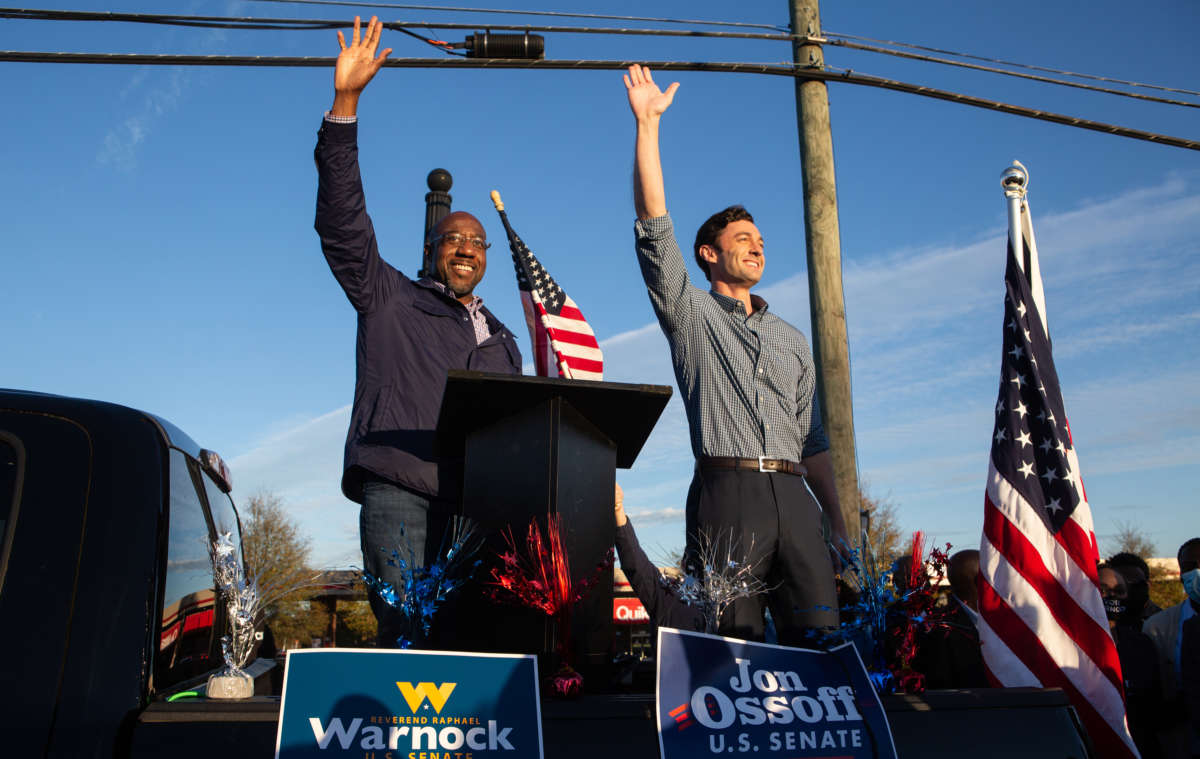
<point>823,242</point>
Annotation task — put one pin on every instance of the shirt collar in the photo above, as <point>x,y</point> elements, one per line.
<point>476,301</point>
<point>732,304</point>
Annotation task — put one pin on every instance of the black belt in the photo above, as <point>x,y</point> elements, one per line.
<point>760,464</point>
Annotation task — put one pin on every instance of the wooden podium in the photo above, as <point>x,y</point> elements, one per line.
<point>532,446</point>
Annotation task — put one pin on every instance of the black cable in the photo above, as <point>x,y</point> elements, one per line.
<point>230,22</point>
<point>439,44</point>
<point>1013,63</point>
<point>1018,74</point>
<point>244,22</point>
<point>405,6</point>
<point>205,22</point>
<point>827,74</point>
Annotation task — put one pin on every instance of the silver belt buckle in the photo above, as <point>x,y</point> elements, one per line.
<point>761,468</point>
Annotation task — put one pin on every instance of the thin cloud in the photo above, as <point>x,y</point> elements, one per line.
<point>120,145</point>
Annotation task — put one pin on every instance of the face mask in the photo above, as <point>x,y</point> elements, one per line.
<point>1191,584</point>
<point>1139,594</point>
<point>1113,608</point>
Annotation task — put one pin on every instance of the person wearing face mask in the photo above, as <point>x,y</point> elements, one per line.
<point>1139,662</point>
<point>409,334</point>
<point>1136,572</point>
<point>1176,635</point>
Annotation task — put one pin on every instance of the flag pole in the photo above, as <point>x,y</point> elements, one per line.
<point>1015,181</point>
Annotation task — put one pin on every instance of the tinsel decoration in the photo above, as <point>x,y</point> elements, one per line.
<point>885,625</point>
<point>245,598</point>
<point>916,613</point>
<point>725,575</point>
<point>539,578</point>
<point>425,588</point>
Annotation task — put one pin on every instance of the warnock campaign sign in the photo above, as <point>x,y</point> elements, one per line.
<point>721,696</point>
<point>371,704</point>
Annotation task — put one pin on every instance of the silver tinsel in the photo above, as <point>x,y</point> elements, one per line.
<point>245,599</point>
<point>725,575</point>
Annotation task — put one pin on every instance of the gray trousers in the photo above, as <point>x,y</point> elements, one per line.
<point>779,516</point>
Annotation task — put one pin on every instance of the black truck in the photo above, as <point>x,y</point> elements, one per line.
<point>106,590</point>
<point>108,614</point>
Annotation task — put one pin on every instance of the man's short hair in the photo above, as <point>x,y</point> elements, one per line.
<point>709,231</point>
<point>1126,559</point>
<point>1187,546</point>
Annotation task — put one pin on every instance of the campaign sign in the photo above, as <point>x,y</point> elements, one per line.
<point>721,696</point>
<point>372,704</point>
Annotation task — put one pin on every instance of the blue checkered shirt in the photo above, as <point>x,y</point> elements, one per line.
<point>747,382</point>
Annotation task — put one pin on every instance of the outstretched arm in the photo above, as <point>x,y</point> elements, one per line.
<point>648,103</point>
<point>357,64</point>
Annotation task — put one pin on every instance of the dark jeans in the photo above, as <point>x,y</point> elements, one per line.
<point>391,519</point>
<point>783,520</point>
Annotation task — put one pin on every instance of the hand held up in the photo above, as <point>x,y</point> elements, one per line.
<point>357,64</point>
<point>646,100</point>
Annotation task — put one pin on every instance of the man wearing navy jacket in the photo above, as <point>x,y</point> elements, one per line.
<point>409,334</point>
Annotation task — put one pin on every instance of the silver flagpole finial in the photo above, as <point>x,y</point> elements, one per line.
<point>1015,180</point>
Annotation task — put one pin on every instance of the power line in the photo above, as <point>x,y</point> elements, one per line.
<point>404,27</point>
<point>1018,74</point>
<point>828,74</point>
<point>1013,63</point>
<point>292,24</point>
<point>561,14</point>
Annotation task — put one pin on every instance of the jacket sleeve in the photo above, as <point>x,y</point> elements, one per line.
<point>661,604</point>
<point>347,235</point>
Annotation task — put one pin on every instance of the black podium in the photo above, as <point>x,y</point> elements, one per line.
<point>532,446</point>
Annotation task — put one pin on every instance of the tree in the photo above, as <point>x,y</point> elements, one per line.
<point>884,539</point>
<point>1130,538</point>
<point>277,557</point>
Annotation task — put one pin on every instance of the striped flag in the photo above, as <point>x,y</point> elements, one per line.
<point>1043,623</point>
<point>563,342</point>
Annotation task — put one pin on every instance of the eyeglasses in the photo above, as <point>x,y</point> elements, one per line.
<point>457,240</point>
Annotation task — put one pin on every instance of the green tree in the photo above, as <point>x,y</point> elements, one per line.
<point>277,557</point>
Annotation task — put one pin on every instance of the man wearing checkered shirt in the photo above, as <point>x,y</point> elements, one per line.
<point>748,384</point>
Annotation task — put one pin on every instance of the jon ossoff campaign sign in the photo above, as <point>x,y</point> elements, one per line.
<point>371,704</point>
<point>722,696</point>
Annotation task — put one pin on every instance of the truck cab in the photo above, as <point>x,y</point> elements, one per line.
<point>106,587</point>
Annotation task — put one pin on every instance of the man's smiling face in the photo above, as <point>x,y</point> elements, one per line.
<point>737,257</point>
<point>460,253</point>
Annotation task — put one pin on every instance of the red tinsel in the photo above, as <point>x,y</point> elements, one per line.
<point>566,683</point>
<point>919,608</point>
<point>540,578</point>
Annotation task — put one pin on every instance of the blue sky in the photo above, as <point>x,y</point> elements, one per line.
<point>159,251</point>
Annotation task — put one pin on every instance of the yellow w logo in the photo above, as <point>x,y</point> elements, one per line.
<point>436,695</point>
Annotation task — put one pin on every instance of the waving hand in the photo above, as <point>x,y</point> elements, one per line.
<point>646,100</point>
<point>357,64</point>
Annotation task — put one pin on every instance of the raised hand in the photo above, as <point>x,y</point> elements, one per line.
<point>357,64</point>
<point>646,100</point>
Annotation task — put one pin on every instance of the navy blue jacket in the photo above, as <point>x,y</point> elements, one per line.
<point>409,334</point>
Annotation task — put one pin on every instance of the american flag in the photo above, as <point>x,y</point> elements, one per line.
<point>1043,620</point>
<point>563,342</point>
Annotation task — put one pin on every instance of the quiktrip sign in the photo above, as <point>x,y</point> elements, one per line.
<point>720,696</point>
<point>373,704</point>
